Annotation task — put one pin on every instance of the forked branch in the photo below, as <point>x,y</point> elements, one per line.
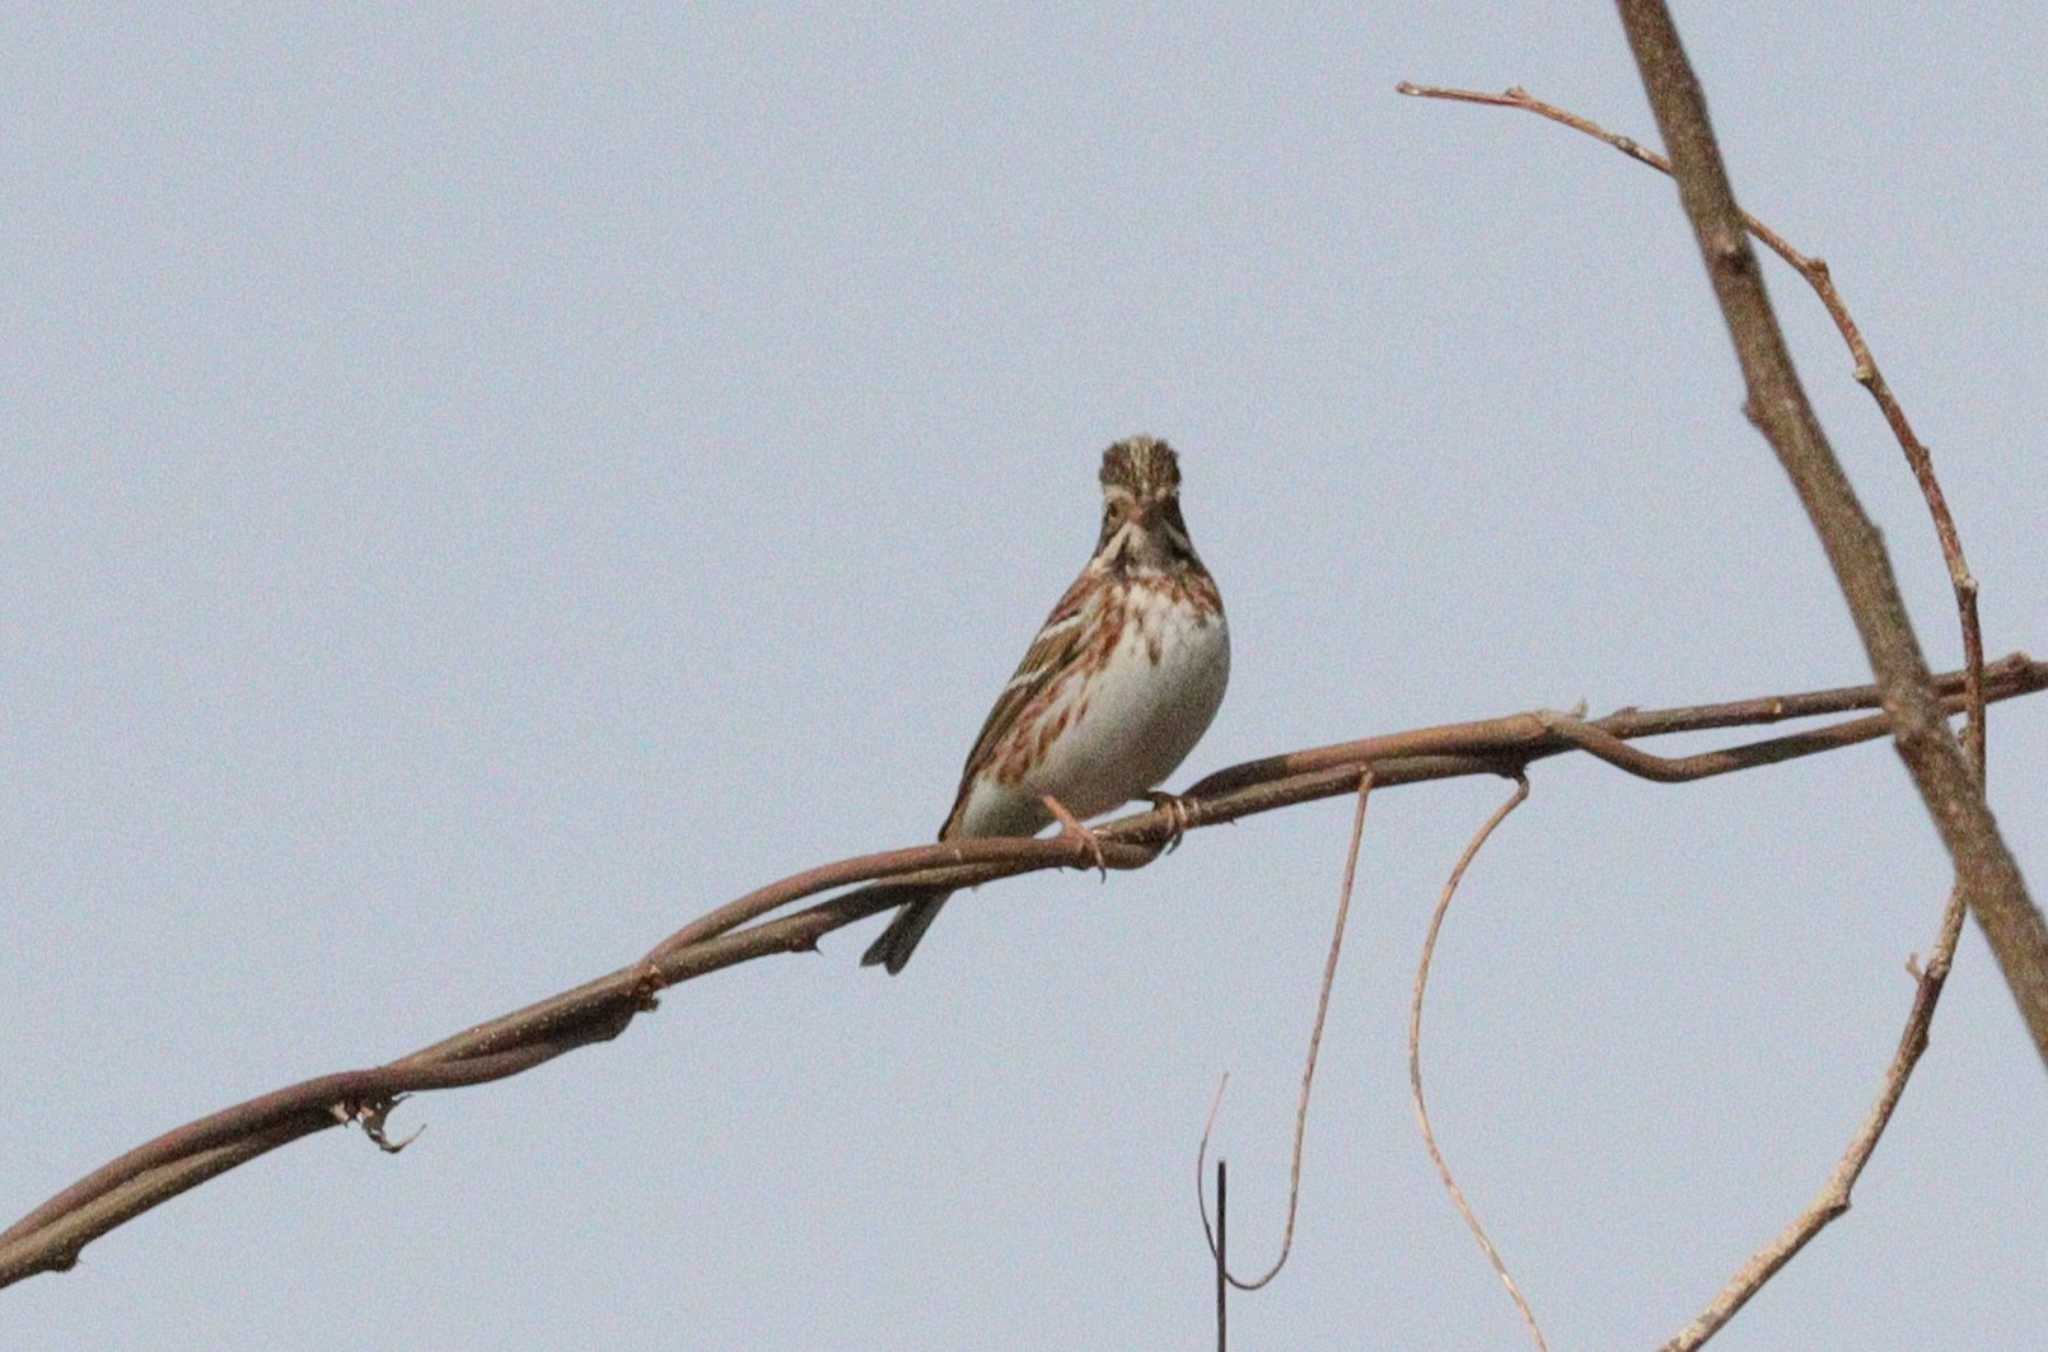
<point>1675,93</point>
<point>1985,868</point>
<point>1865,369</point>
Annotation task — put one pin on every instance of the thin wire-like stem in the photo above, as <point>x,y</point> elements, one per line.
<point>1202,1163</point>
<point>1308,1069</point>
<point>1443,1169</point>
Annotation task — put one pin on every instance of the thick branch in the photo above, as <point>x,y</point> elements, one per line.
<point>49,1238</point>
<point>1985,868</point>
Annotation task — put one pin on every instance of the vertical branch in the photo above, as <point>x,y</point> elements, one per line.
<point>1222,1250</point>
<point>1986,871</point>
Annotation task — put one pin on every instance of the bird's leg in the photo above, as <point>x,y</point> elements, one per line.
<point>1180,814</point>
<point>1071,828</point>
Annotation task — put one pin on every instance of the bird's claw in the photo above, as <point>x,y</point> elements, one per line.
<point>1071,829</point>
<point>1180,815</point>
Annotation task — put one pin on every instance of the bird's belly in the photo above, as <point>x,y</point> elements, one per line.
<point>1141,714</point>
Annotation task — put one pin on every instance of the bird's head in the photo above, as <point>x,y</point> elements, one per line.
<point>1142,528</point>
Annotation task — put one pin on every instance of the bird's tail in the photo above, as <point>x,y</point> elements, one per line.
<point>920,904</point>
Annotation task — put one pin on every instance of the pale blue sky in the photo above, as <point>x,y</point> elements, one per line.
<point>489,486</point>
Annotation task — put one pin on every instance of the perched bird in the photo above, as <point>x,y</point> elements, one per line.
<point>1117,688</point>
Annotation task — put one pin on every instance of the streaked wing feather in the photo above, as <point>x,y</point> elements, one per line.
<point>1059,639</point>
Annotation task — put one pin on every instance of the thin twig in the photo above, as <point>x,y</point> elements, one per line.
<point>1946,775</point>
<point>1308,1070</point>
<point>1443,1170</point>
<point>49,1237</point>
<point>1833,1199</point>
<point>1202,1161</point>
<point>1604,745</point>
<point>1865,370</point>
<point>1485,746</point>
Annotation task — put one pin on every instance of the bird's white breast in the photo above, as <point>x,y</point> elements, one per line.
<point>1143,711</point>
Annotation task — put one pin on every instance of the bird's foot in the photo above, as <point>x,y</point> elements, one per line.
<point>1180,814</point>
<point>1071,829</point>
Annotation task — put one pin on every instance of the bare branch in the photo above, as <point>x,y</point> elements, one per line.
<point>1834,1198</point>
<point>1821,279</point>
<point>1308,1070</point>
<point>1443,1170</point>
<point>1985,868</point>
<point>49,1238</point>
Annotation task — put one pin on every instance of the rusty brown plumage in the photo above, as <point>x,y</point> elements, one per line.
<point>1144,583</point>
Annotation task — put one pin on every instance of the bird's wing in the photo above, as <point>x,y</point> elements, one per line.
<point>1058,644</point>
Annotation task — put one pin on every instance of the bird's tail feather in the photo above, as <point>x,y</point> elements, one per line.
<point>920,903</point>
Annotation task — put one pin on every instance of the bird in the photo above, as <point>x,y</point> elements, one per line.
<point>1122,680</point>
